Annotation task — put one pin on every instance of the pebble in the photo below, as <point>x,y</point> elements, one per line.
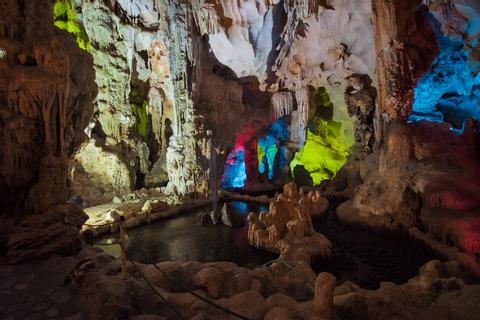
<point>41,306</point>
<point>52,312</point>
<point>21,286</point>
<point>62,296</point>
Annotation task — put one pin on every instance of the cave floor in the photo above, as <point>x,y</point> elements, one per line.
<point>38,290</point>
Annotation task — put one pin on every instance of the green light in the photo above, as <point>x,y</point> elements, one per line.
<point>328,141</point>
<point>65,18</point>
<point>323,155</point>
<point>141,118</point>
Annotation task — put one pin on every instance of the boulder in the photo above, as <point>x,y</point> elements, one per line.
<point>54,232</point>
<point>278,313</point>
<point>281,300</point>
<point>250,304</point>
<point>212,279</point>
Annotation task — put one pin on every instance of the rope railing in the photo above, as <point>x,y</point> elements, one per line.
<point>124,257</point>
<point>289,266</point>
<point>180,285</point>
<point>154,289</point>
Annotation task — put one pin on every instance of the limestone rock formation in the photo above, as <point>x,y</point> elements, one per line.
<point>360,98</point>
<point>287,227</point>
<point>46,93</point>
<point>55,231</point>
<point>324,292</point>
<point>439,289</point>
<point>166,70</point>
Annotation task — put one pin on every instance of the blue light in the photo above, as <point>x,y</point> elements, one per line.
<point>450,92</point>
<point>270,145</point>
<point>235,173</point>
<point>241,207</point>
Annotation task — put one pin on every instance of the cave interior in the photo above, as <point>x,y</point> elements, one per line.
<point>247,159</point>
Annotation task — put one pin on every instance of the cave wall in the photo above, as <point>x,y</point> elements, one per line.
<point>129,131</point>
<point>404,50</point>
<point>46,92</point>
<point>181,82</point>
<point>425,172</point>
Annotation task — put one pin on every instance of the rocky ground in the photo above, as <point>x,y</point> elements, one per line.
<point>37,291</point>
<point>90,286</point>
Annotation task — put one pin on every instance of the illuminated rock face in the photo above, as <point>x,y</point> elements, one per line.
<point>450,91</point>
<point>65,18</point>
<point>178,82</point>
<point>288,46</point>
<point>46,92</point>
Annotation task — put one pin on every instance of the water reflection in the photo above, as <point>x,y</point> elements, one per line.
<point>183,239</point>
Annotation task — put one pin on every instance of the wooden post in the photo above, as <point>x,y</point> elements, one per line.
<point>123,257</point>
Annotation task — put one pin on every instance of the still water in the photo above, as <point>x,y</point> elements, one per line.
<point>184,239</point>
<point>359,255</point>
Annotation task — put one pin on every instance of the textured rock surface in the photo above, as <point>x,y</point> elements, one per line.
<point>54,232</point>
<point>166,72</point>
<point>266,293</point>
<point>287,227</point>
<point>409,185</point>
<point>46,92</point>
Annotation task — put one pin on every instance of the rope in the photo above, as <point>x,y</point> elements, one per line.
<point>289,266</point>
<point>210,302</point>
<point>107,243</point>
<point>152,286</point>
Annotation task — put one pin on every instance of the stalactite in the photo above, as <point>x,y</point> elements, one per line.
<point>205,17</point>
<point>281,104</point>
<point>301,95</point>
<point>300,117</point>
